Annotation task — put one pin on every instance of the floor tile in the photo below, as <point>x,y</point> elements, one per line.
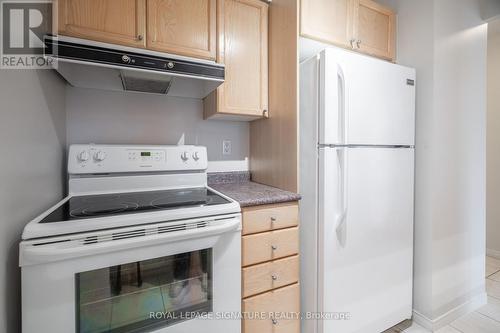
<point>492,266</point>
<point>415,328</point>
<point>492,309</point>
<point>495,276</point>
<point>476,323</point>
<point>493,288</point>
<point>490,270</point>
<point>493,261</point>
<point>400,327</point>
<point>448,329</point>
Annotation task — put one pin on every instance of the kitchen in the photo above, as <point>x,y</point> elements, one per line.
<point>257,131</point>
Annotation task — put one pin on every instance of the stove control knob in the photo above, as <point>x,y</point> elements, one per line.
<point>196,156</point>
<point>100,156</point>
<point>83,156</point>
<point>185,156</point>
<point>126,59</point>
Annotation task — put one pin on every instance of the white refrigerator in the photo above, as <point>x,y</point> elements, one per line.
<point>357,130</point>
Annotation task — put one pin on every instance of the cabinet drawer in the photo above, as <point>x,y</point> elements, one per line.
<point>275,274</point>
<point>271,217</point>
<point>269,246</point>
<point>284,301</point>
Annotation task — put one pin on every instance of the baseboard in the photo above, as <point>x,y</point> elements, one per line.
<point>493,253</point>
<point>452,315</point>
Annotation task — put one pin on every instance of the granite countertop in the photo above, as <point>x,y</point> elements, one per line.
<point>238,186</point>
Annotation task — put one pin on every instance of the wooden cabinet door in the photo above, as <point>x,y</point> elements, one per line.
<point>112,21</point>
<point>184,27</point>
<point>328,21</point>
<point>242,28</point>
<point>375,29</point>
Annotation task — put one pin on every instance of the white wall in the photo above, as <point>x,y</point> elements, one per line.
<point>446,41</point>
<point>493,141</point>
<point>490,9</point>
<point>96,116</point>
<point>416,49</point>
<point>32,142</point>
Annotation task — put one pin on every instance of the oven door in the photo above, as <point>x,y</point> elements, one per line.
<point>135,280</point>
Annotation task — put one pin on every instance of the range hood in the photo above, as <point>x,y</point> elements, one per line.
<point>95,65</point>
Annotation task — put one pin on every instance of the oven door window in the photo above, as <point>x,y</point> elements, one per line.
<point>123,298</point>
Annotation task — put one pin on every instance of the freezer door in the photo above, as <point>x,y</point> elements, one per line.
<point>365,100</point>
<point>365,238</point>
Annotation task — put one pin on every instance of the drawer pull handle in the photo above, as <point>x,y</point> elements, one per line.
<point>274,277</point>
<point>273,219</point>
<point>274,247</point>
<point>275,322</point>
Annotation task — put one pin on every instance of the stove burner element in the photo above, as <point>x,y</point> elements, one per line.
<point>179,198</point>
<point>103,208</point>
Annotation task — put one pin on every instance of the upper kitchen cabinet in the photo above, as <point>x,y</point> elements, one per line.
<point>112,21</point>
<point>375,29</point>
<point>361,25</point>
<point>329,21</point>
<point>242,30</point>
<point>184,27</point>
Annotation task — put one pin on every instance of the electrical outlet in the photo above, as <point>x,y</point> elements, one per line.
<point>226,147</point>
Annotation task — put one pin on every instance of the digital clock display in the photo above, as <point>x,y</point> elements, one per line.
<point>145,154</point>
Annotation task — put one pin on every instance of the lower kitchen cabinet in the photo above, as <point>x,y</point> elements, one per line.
<point>283,302</point>
<point>269,246</point>
<point>270,273</point>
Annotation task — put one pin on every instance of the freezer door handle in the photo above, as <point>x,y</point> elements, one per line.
<point>341,218</point>
<point>341,116</point>
<point>333,102</point>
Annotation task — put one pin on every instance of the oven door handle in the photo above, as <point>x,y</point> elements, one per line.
<point>31,254</point>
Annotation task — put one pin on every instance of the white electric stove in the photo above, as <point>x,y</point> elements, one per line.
<point>140,244</point>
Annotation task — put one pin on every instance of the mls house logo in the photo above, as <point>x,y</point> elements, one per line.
<point>24,25</point>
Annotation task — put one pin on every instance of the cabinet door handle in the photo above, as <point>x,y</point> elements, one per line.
<point>273,219</point>
<point>274,321</point>
<point>274,277</point>
<point>358,43</point>
<point>274,247</point>
<point>352,43</point>
<point>140,37</point>
<point>265,113</point>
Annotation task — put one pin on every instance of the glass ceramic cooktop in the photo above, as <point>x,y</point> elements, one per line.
<point>91,206</point>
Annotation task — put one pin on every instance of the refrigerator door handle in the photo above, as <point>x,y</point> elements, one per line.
<point>341,218</point>
<point>332,103</point>
<point>341,108</point>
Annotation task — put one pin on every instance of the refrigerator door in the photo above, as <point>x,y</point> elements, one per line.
<point>365,101</point>
<point>365,238</point>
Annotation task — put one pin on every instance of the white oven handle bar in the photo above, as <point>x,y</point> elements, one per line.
<point>31,254</point>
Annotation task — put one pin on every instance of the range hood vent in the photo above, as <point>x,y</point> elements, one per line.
<point>95,65</point>
<point>139,82</point>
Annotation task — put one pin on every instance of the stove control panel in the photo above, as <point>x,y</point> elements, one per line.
<point>94,159</point>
